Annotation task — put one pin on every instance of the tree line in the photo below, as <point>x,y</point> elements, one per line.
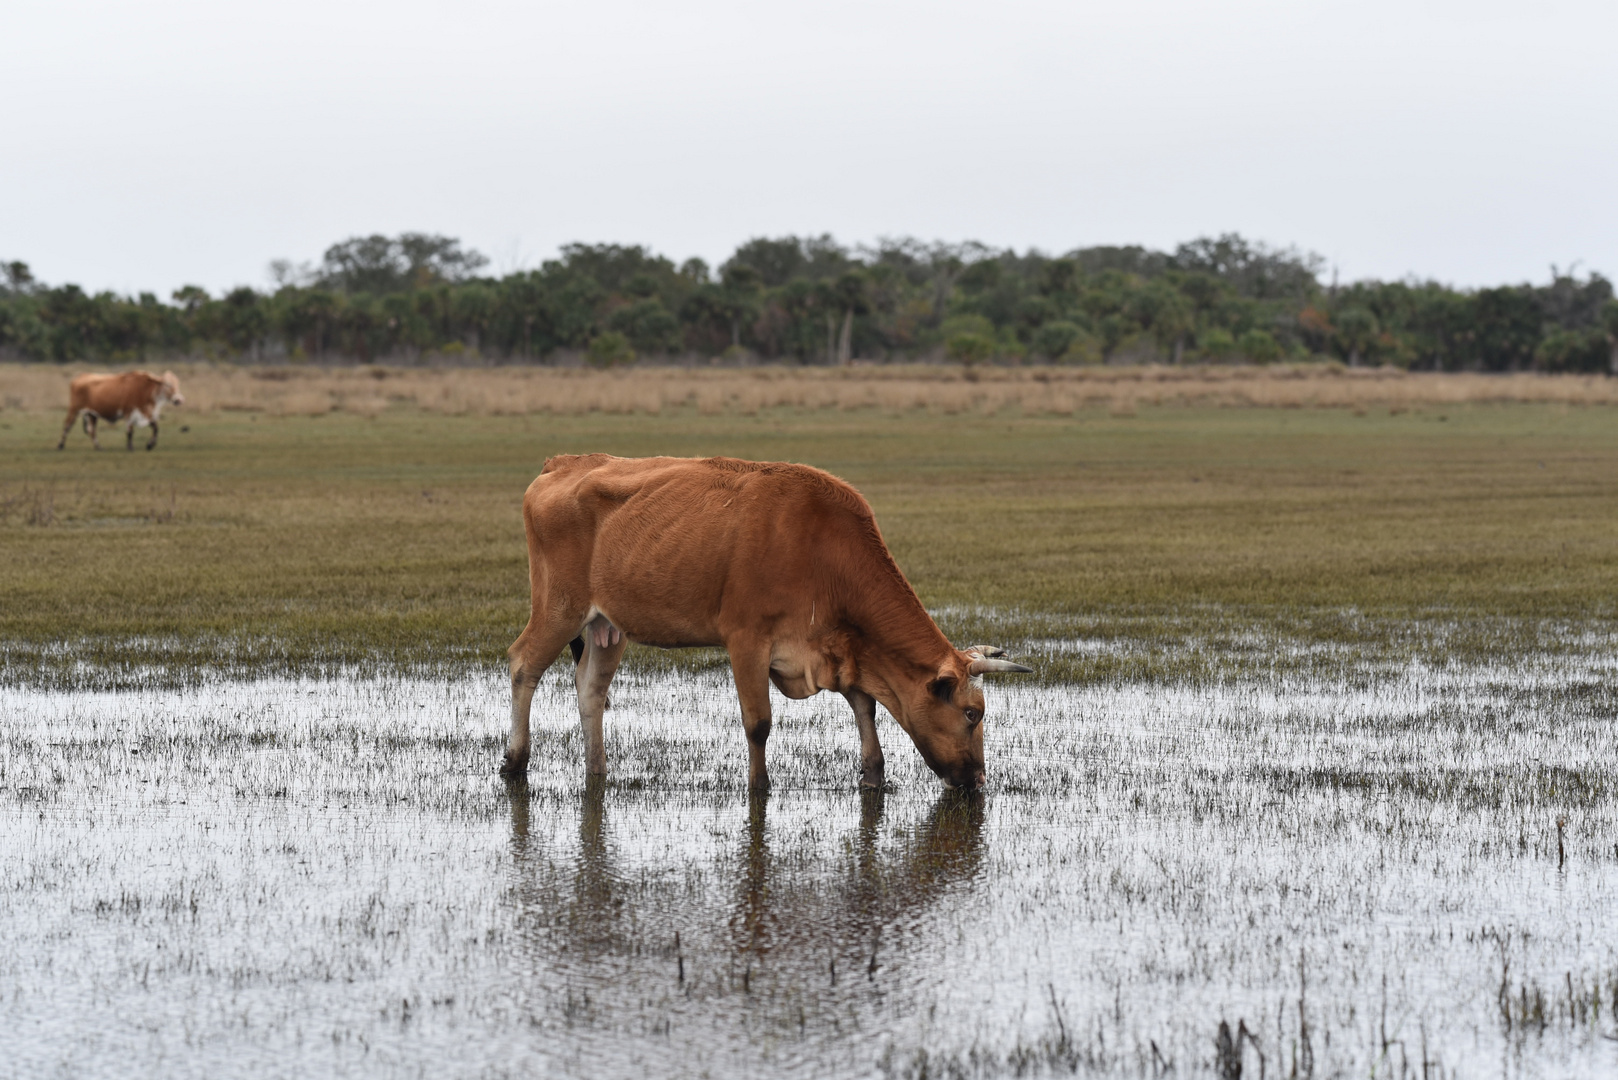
<point>813,300</point>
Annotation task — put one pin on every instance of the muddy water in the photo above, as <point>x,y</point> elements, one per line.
<point>286,879</point>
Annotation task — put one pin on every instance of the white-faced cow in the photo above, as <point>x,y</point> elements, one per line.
<point>781,564</point>
<point>136,396</point>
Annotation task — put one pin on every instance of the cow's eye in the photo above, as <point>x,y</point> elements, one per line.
<point>974,717</point>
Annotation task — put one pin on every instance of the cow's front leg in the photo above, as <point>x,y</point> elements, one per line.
<point>129,436</point>
<point>751,666</point>
<point>92,429</point>
<point>153,440</point>
<point>872,766</point>
<point>604,647</point>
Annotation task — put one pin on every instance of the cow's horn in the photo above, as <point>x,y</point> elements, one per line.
<point>983,666</point>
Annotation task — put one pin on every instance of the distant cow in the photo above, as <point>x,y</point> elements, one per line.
<point>781,564</point>
<point>136,396</point>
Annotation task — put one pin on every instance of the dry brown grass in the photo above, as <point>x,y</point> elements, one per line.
<point>496,391</point>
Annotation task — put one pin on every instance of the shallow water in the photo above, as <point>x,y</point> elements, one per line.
<point>294,878</point>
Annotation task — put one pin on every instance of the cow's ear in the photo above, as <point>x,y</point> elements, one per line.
<point>943,688</point>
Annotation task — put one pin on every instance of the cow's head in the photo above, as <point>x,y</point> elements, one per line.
<point>171,388</point>
<point>946,714</point>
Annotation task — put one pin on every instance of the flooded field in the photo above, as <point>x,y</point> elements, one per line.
<point>1401,871</point>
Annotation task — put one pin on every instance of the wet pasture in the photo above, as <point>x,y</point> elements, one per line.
<point>1399,871</point>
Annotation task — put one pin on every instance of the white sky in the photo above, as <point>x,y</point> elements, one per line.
<point>146,145</point>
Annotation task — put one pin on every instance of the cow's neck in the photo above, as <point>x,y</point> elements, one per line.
<point>897,643</point>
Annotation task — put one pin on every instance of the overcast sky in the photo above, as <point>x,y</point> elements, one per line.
<point>148,145</point>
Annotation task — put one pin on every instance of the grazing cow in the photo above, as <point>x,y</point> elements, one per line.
<point>781,564</point>
<point>137,396</point>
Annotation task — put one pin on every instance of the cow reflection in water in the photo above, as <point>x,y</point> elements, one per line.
<point>797,933</point>
<point>849,907</point>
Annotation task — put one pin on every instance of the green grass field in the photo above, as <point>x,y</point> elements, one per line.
<point>255,545</point>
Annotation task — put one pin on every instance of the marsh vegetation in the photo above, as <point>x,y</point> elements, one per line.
<point>1319,753</point>
<point>257,543</point>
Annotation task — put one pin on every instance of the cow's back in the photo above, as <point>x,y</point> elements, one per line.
<point>113,396</point>
<point>667,546</point>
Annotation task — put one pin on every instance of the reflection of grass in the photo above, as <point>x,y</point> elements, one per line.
<point>1191,539</point>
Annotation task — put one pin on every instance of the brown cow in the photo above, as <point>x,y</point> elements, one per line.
<point>781,564</point>
<point>135,395</point>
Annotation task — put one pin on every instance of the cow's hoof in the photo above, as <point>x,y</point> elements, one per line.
<point>513,768</point>
<point>874,780</point>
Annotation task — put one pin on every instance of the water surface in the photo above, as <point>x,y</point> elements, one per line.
<point>294,878</point>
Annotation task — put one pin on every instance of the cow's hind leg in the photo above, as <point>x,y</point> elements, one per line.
<point>872,767</point>
<point>604,646</point>
<point>532,654</point>
<point>129,437</point>
<point>751,666</point>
